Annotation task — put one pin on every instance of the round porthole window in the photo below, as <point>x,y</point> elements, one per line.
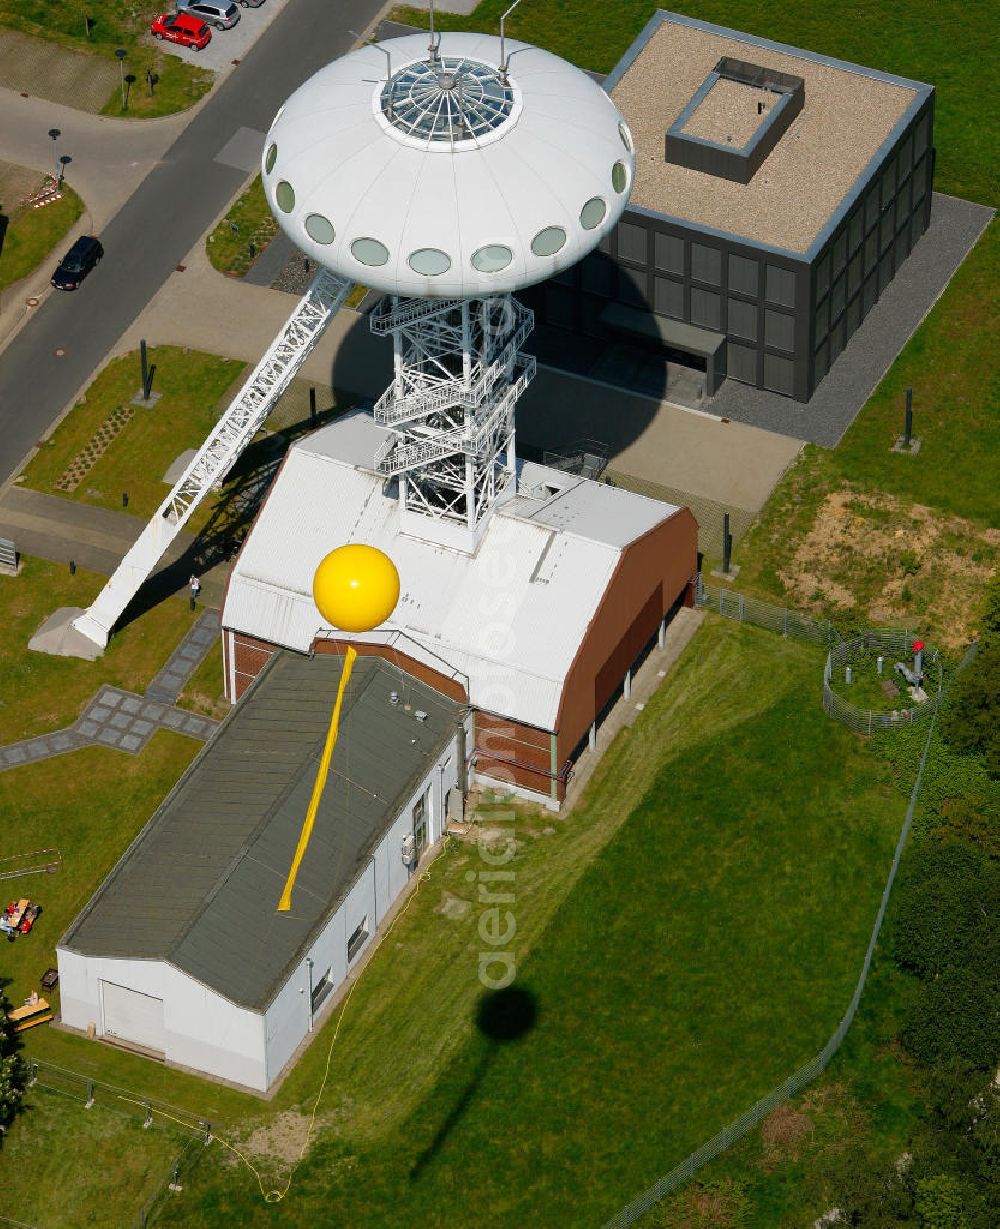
<point>619,176</point>
<point>284,194</point>
<point>492,258</point>
<point>320,229</point>
<point>626,137</point>
<point>429,261</point>
<point>270,158</point>
<point>369,251</point>
<point>548,241</point>
<point>592,214</point>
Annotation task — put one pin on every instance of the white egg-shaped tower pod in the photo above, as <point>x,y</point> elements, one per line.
<point>447,175</point>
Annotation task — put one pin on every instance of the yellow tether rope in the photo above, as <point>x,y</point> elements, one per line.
<point>318,785</point>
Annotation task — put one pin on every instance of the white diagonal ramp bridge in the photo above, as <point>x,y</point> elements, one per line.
<point>230,436</point>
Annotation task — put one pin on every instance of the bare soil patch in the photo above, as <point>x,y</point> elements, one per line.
<point>280,1139</point>
<point>894,562</point>
<point>783,1134</point>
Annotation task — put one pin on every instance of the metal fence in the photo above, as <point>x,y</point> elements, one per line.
<point>148,1110</point>
<point>869,721</point>
<point>733,605</point>
<point>794,1084</point>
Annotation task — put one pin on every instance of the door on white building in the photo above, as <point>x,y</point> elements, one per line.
<point>134,1017</point>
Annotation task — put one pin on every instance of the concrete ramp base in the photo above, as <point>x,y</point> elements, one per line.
<point>58,637</point>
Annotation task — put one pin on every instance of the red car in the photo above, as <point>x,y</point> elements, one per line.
<point>182,28</point>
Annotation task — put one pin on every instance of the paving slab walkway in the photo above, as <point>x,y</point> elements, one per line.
<point>124,720</point>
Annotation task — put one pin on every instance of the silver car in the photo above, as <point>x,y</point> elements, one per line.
<point>223,14</point>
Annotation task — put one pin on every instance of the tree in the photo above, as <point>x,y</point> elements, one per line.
<point>940,1203</point>
<point>13,1073</point>
<point>971,721</point>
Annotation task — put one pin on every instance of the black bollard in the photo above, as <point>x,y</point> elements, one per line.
<point>124,499</point>
<point>72,567</point>
<point>144,369</point>
<point>727,543</point>
<point>908,429</point>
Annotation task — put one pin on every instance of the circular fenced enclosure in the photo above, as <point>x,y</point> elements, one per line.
<point>872,700</point>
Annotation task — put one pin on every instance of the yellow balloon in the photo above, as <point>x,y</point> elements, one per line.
<point>356,588</point>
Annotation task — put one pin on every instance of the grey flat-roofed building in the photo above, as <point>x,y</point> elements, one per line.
<point>777,191</point>
<point>182,951</point>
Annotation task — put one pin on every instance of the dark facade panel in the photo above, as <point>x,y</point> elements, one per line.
<point>668,298</point>
<point>743,363</point>
<point>632,243</point>
<point>670,252</point>
<point>786,318</point>
<point>779,330</point>
<point>706,263</point>
<point>780,285</point>
<point>743,318</point>
<point>706,308</point>
<point>744,275</point>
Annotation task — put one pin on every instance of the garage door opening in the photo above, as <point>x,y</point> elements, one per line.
<point>133,1017</point>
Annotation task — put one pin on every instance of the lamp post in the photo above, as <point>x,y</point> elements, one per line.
<point>55,134</point>
<point>121,53</point>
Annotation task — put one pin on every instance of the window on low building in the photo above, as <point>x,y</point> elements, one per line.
<point>321,991</point>
<point>359,937</point>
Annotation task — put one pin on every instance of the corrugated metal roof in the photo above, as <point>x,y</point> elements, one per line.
<point>199,886</point>
<point>510,617</point>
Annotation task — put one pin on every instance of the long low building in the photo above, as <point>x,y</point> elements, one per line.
<point>181,951</point>
<point>537,630</point>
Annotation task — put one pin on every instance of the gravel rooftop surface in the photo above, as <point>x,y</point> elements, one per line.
<point>845,119</point>
<point>728,113</point>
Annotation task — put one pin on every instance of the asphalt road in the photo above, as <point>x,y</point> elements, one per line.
<point>160,223</point>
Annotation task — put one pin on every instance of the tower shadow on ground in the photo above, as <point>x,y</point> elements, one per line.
<point>503,1017</point>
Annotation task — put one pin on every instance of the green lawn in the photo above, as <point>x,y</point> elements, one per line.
<point>176,85</point>
<point>40,693</point>
<point>193,388</point>
<point>205,690</point>
<point>100,29</point>
<point>925,538</point>
<point>689,935</point>
<point>228,248</point>
<point>42,807</point>
<point>40,1188</point>
<point>32,234</point>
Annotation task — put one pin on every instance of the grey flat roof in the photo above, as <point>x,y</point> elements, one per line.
<point>199,885</point>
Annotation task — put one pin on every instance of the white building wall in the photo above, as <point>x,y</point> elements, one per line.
<point>203,1029</point>
<point>372,895</point>
<point>208,1032</point>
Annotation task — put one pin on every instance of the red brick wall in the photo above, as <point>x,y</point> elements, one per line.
<point>250,656</point>
<point>514,753</point>
<point>449,687</point>
<point>652,574</point>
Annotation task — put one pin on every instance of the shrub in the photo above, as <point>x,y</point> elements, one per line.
<point>940,901</point>
<point>956,1016</point>
<point>12,1069</point>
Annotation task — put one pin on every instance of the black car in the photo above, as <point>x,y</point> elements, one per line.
<point>77,263</point>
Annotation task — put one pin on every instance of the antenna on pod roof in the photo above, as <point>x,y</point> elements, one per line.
<point>504,58</point>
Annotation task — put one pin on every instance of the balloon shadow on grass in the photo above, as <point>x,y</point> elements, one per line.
<point>502,1017</point>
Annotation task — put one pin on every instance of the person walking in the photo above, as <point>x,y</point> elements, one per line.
<point>195,584</point>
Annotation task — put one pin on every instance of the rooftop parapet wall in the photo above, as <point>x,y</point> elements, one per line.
<point>701,138</point>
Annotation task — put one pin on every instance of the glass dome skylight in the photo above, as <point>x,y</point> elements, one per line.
<point>449,100</point>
